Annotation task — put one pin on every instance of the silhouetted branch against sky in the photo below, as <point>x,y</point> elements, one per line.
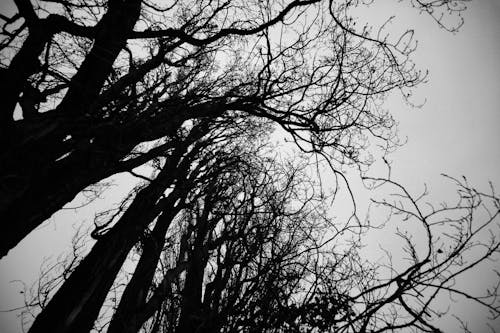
<point>249,164</point>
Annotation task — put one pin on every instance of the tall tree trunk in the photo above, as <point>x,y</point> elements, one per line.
<point>20,171</point>
<point>111,36</point>
<point>192,317</point>
<point>125,319</point>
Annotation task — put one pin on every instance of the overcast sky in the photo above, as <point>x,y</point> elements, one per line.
<point>457,131</point>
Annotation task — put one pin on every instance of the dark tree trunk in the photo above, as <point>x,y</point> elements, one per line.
<point>192,318</point>
<point>29,174</point>
<point>15,77</point>
<point>111,36</point>
<point>48,193</point>
<point>125,318</point>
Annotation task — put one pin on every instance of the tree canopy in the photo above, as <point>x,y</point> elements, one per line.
<point>93,80</point>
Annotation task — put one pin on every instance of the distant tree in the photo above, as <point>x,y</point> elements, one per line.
<point>86,82</point>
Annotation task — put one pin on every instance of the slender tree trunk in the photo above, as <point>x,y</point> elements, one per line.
<point>192,317</point>
<point>125,319</point>
<point>191,313</point>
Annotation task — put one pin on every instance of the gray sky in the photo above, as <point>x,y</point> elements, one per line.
<point>457,131</point>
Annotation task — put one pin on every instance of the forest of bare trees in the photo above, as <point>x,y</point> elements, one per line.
<point>226,230</point>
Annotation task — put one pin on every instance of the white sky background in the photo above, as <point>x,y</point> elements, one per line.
<point>456,132</point>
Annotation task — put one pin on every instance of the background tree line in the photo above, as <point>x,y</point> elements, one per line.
<point>227,234</point>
